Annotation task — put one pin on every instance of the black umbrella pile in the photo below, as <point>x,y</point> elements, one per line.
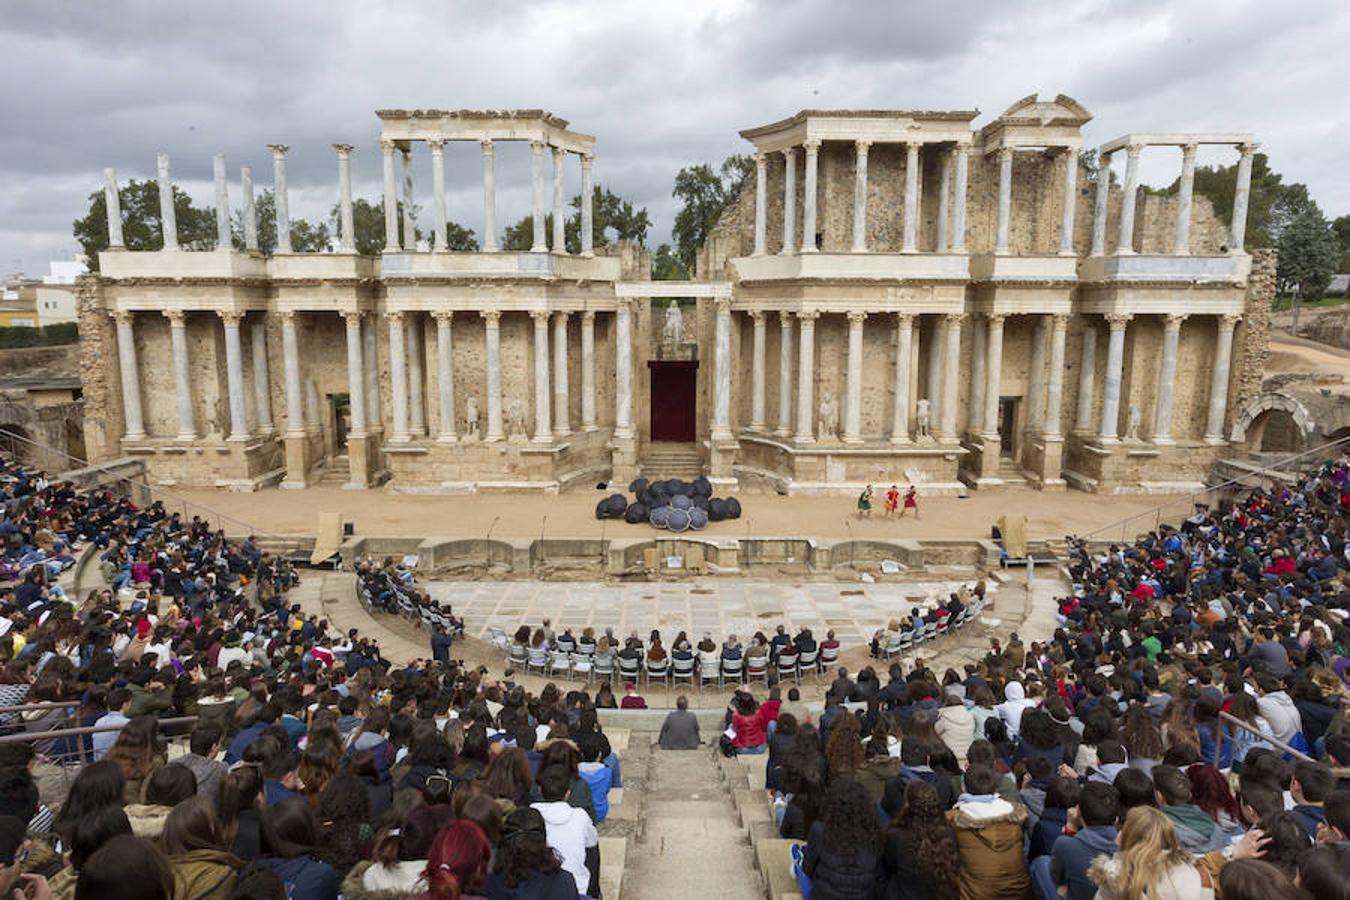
<point>673,504</point>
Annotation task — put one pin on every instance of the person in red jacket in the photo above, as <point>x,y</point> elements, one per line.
<point>747,724</point>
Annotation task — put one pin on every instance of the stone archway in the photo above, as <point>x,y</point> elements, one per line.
<point>1288,421</point>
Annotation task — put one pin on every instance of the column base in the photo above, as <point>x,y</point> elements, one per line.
<point>761,427</point>
<point>493,437</point>
<point>900,439</point>
<point>542,438</point>
<point>1164,441</point>
<point>400,438</point>
<point>590,427</point>
<point>538,249</point>
<point>804,438</point>
<point>809,250</point>
<point>239,437</point>
<point>1066,252</point>
<point>722,435</point>
<point>561,433</point>
<point>183,437</point>
<point>1215,440</point>
<point>857,249</point>
<point>1125,251</point>
<point>782,432</point>
<point>852,439</point>
<point>135,436</point>
<point>447,439</point>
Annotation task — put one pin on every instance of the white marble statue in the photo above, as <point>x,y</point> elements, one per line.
<point>1132,423</point>
<point>922,418</point>
<point>829,418</point>
<point>515,420</point>
<point>471,418</point>
<point>672,332</point>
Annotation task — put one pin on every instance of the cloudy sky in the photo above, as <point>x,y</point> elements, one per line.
<point>660,84</point>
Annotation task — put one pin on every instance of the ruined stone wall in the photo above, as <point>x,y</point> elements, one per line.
<point>42,361</point>
<point>103,423</point>
<point>1252,341</point>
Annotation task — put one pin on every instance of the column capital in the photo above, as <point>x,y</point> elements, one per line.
<point>811,147</point>
<point>540,317</point>
<point>761,159</point>
<point>1005,153</point>
<point>1103,160</point>
<point>785,318</point>
<point>861,147</point>
<point>757,316</point>
<point>437,145</point>
<point>1060,321</point>
<point>287,316</point>
<point>344,151</point>
<point>177,317</point>
<point>588,316</point>
<point>394,316</point>
<point>996,319</point>
<point>954,318</point>
<point>856,316</point>
<point>962,148</point>
<point>808,316</point>
<point>1133,150</point>
<point>443,315</point>
<point>904,319</point>
<point>406,152</point>
<point>537,147</point>
<point>387,145</point>
<point>352,317</point>
<point>787,152</point>
<point>1174,320</point>
<point>1245,150</point>
<point>278,150</point>
<point>1188,150</point>
<point>489,148</point>
<point>230,318</point>
<point>1118,321</point>
<point>558,153</point>
<point>491,317</point>
<point>723,305</point>
<point>1229,321</point>
<point>562,315</point>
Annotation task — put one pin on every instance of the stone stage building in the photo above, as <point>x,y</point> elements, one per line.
<point>893,297</point>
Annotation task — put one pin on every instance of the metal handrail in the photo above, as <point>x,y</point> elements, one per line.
<point>57,734</point>
<point>35,707</point>
<point>1275,742</point>
<point>1190,498</point>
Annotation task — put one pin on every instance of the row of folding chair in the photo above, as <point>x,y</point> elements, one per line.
<point>931,631</point>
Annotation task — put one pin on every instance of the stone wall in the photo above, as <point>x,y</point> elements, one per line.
<point>63,360</point>
<point>103,422</point>
<point>1252,342</point>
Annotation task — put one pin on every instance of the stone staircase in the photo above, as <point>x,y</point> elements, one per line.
<point>1010,471</point>
<point>664,460</point>
<point>335,473</point>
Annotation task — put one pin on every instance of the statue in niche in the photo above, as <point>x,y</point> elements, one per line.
<point>515,420</point>
<point>672,331</point>
<point>1132,423</point>
<point>922,419</point>
<point>471,419</point>
<point>829,418</point>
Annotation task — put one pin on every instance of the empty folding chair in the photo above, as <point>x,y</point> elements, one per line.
<point>560,661</point>
<point>787,666</point>
<point>582,665</point>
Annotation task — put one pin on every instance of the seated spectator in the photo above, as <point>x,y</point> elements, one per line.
<point>570,832</point>
<point>842,860</point>
<point>631,698</point>
<point>989,840</point>
<point>1150,863</point>
<point>679,730</point>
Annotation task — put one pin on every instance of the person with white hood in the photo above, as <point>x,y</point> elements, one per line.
<point>571,834</point>
<point>1014,704</point>
<point>1277,708</point>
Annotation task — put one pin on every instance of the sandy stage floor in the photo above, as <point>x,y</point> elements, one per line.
<point>1052,515</point>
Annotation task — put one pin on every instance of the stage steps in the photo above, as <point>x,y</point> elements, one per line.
<point>661,461</point>
<point>335,473</point>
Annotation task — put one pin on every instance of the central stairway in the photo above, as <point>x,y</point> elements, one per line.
<point>666,460</point>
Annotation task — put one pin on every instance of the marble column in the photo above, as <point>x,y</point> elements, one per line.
<point>223,240</point>
<point>761,202</point>
<point>806,377</point>
<point>1167,377</point>
<point>489,197</point>
<point>182,374</point>
<point>1181,245</point>
<point>280,197</point>
<point>542,421</point>
<point>409,226</point>
<point>962,152</point>
<point>1054,391</point>
<point>562,401</point>
<point>559,218</point>
<point>951,379</point>
<point>540,244</point>
<point>492,340</point>
<point>440,238</point>
<point>721,420</point>
<point>1241,194</point>
<point>860,196</point>
<point>1125,243</point>
<point>250,209</point>
<point>370,360</point>
<point>993,373</point>
<point>416,348</point>
<point>1070,201</point>
<point>853,385</point>
<point>911,224</point>
<point>346,218</point>
<point>812,151</point>
<point>1087,373</point>
<point>944,204</point>
<point>623,370</point>
<point>445,377</point>
<point>588,422</point>
<point>933,374</point>
<point>390,199</point>
<point>789,200</point>
<point>1005,165</point>
<point>979,356</point>
<point>1035,416</point>
<point>904,340</point>
<point>757,391</point>
<point>112,202</point>
<point>234,376</point>
<point>398,376</point>
<point>262,379</point>
<point>1218,385</point>
<point>587,207</point>
<point>784,428</point>
<point>1100,203</point>
<point>130,375</point>
<point>168,215</point>
<point>356,379</point>
<point>1115,362</point>
<point>290,358</point>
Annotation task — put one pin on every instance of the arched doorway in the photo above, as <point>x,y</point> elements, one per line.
<point>1275,431</point>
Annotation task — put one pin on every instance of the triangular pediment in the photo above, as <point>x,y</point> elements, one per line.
<point>1063,110</point>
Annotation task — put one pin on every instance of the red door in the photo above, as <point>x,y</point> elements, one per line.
<point>674,399</point>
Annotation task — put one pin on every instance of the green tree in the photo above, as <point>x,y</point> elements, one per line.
<point>1309,253</point>
<point>368,228</point>
<point>1341,225</point>
<point>1219,183</point>
<point>705,193</point>
<point>610,214</point>
<point>305,236</point>
<point>520,236</point>
<point>139,201</point>
<point>666,266</point>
